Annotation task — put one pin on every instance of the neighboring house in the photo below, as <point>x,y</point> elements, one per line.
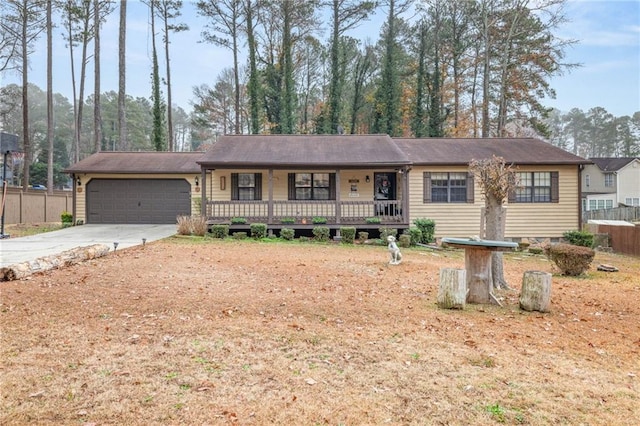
<point>365,181</point>
<point>610,183</point>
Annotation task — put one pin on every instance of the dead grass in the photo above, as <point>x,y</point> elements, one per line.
<point>224,332</point>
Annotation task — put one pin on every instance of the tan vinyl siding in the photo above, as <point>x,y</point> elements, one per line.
<point>523,219</point>
<point>81,197</point>
<point>280,184</point>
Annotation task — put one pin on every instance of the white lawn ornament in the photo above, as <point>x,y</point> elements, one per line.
<point>394,251</point>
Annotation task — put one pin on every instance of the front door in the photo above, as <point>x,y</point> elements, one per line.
<point>385,190</point>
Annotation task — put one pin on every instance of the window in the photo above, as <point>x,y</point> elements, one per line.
<point>593,204</point>
<point>246,186</point>
<point>448,187</point>
<point>588,180</point>
<point>632,201</point>
<point>608,204</point>
<point>536,187</point>
<point>312,186</point>
<point>608,180</point>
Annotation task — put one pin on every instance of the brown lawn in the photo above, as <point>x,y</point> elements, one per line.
<point>227,332</point>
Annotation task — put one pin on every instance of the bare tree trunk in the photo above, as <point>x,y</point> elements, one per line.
<point>122,42</point>
<point>170,141</point>
<point>97,119</point>
<point>495,228</point>
<point>25,99</point>
<point>49,100</point>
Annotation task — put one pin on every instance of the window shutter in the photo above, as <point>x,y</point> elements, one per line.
<point>426,187</point>
<point>470,189</point>
<point>235,193</point>
<point>257,191</point>
<point>332,186</point>
<point>555,187</point>
<point>292,186</point>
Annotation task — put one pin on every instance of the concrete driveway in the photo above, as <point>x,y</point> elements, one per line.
<point>24,249</point>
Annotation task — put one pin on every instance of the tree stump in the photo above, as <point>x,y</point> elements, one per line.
<point>452,293</point>
<point>536,291</point>
<point>479,277</point>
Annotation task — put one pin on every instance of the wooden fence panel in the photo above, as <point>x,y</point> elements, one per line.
<point>623,239</point>
<point>36,206</point>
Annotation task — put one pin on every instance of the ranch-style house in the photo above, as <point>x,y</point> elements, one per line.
<point>364,181</point>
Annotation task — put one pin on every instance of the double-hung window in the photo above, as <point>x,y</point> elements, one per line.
<point>312,186</point>
<point>246,186</point>
<point>536,187</point>
<point>608,180</point>
<point>448,187</point>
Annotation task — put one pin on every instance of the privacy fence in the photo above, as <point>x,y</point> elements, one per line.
<point>35,206</point>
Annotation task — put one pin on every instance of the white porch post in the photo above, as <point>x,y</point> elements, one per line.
<point>405,194</point>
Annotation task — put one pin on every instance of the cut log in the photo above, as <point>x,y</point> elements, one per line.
<point>536,291</point>
<point>41,264</point>
<point>452,293</point>
<point>479,278</point>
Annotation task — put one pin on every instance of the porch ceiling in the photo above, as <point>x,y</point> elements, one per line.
<point>296,151</point>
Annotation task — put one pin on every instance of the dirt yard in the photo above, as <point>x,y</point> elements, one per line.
<point>186,331</point>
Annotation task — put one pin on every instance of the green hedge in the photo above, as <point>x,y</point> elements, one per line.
<point>579,238</point>
<point>321,233</point>
<point>258,230</point>
<point>220,231</point>
<point>428,229</point>
<point>348,234</point>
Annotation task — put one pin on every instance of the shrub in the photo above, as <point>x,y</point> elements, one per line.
<point>385,232</point>
<point>428,229</point>
<point>239,235</point>
<point>535,250</point>
<point>363,236</point>
<point>348,234</point>
<point>319,220</point>
<point>258,230</point>
<point>372,220</point>
<point>571,259</point>
<point>416,235</point>
<point>220,231</point>
<point>304,239</point>
<point>287,233</point>
<point>184,225</point>
<point>238,220</point>
<point>579,238</point>
<point>66,218</point>
<point>287,220</point>
<point>321,233</point>
<point>404,240</point>
<point>198,226</point>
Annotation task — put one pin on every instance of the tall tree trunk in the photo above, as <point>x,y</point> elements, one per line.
<point>49,100</point>
<point>97,119</point>
<point>486,62</point>
<point>26,146</point>
<point>122,74</point>
<point>83,74</point>
<point>170,142</point>
<point>254,96</point>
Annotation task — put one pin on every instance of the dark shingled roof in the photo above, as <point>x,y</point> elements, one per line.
<point>138,162</point>
<point>446,151</point>
<point>611,164</point>
<point>298,151</point>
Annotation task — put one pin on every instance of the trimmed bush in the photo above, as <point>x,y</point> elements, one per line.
<point>428,229</point>
<point>287,234</point>
<point>363,236</point>
<point>238,220</point>
<point>348,234</point>
<point>571,259</point>
<point>66,218</point>
<point>535,250</point>
<point>318,220</point>
<point>385,232</point>
<point>321,233</point>
<point>372,220</point>
<point>287,220</point>
<point>404,240</point>
<point>416,235</point>
<point>579,238</point>
<point>258,230</point>
<point>239,235</point>
<point>220,231</point>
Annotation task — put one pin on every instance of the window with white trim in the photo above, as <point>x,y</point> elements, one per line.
<point>608,180</point>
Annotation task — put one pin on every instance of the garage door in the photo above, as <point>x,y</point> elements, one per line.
<point>137,200</point>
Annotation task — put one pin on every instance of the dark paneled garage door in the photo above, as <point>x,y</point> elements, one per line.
<point>137,200</point>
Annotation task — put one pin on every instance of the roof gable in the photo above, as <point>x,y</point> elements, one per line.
<point>138,162</point>
<point>612,164</point>
<point>450,151</point>
<point>291,151</point>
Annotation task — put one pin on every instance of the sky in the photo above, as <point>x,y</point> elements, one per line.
<point>608,49</point>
